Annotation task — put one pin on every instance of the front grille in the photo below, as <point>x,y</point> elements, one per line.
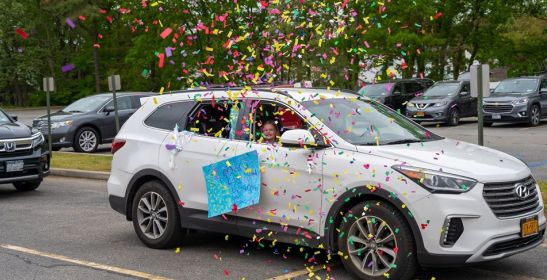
<point>504,201</point>
<point>454,229</point>
<point>16,153</point>
<point>501,108</point>
<point>422,105</point>
<point>512,245</point>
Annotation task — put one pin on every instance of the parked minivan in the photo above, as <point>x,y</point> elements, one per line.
<point>395,94</point>
<point>89,121</point>
<point>346,174</point>
<point>445,101</point>
<point>517,100</point>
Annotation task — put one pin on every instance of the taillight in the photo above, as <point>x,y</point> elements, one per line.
<point>117,144</point>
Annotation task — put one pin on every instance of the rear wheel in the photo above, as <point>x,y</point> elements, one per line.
<point>27,186</point>
<point>535,115</point>
<point>377,241</point>
<point>155,216</point>
<point>453,117</point>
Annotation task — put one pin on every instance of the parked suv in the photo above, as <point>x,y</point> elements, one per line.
<point>521,99</point>
<point>445,101</point>
<point>397,93</point>
<point>24,156</point>
<point>89,121</point>
<point>347,174</point>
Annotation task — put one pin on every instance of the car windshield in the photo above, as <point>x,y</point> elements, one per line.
<point>4,118</point>
<point>376,90</point>
<point>516,86</point>
<point>442,89</point>
<point>86,104</point>
<point>361,122</point>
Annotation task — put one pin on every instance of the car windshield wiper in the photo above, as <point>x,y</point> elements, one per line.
<point>403,141</point>
<point>365,144</point>
<point>75,111</point>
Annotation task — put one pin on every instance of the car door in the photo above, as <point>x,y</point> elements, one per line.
<point>291,178</point>
<point>107,122</point>
<point>410,89</point>
<point>396,97</point>
<point>467,103</point>
<point>543,96</point>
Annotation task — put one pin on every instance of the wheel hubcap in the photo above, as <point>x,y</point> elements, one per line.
<point>87,141</point>
<point>372,245</point>
<point>152,215</point>
<point>535,115</point>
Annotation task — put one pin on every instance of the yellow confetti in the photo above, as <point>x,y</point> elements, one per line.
<point>161,90</point>
<point>177,251</point>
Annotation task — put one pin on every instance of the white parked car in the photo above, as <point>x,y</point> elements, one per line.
<point>347,174</point>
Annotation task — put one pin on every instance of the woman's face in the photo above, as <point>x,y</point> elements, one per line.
<point>269,132</point>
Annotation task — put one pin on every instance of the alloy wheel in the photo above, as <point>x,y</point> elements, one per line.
<point>372,245</point>
<point>534,115</point>
<point>152,215</point>
<point>87,141</point>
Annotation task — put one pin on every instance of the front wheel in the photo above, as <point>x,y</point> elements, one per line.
<point>453,117</point>
<point>27,186</point>
<point>155,216</point>
<point>535,115</point>
<point>86,140</point>
<point>377,241</point>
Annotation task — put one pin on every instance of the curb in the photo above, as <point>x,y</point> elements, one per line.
<point>74,173</point>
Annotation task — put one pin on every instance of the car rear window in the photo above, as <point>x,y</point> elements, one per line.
<point>167,115</point>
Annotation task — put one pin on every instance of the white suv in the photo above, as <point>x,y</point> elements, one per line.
<point>347,174</point>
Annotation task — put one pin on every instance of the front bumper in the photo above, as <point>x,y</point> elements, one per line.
<point>429,113</point>
<point>36,166</point>
<point>485,237</point>
<point>518,113</point>
<point>61,137</point>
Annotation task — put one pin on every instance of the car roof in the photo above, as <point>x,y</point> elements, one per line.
<point>125,93</point>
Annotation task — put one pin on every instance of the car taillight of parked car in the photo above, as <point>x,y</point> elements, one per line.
<point>117,144</point>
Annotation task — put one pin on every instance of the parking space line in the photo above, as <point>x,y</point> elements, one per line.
<point>297,273</point>
<point>93,265</point>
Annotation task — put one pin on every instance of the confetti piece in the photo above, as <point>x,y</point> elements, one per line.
<point>67,68</point>
<point>166,32</point>
<point>70,23</point>
<point>22,33</point>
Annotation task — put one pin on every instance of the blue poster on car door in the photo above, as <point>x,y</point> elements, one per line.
<point>232,183</point>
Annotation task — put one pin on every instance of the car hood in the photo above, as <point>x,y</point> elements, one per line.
<point>430,99</point>
<point>504,98</point>
<point>58,116</point>
<point>14,130</point>
<point>456,157</point>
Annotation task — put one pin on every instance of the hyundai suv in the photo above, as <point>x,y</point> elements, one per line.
<point>88,121</point>
<point>346,174</point>
<point>522,99</point>
<point>445,101</point>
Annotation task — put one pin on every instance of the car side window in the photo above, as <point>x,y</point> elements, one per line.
<point>124,103</point>
<point>413,87</point>
<point>281,117</point>
<point>214,118</point>
<point>543,84</point>
<point>169,114</point>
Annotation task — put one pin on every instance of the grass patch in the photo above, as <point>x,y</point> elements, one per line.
<point>86,162</point>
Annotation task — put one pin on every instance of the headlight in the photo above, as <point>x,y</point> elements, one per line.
<point>37,139</point>
<point>410,104</point>
<point>442,103</point>
<point>520,101</point>
<point>436,181</point>
<point>55,125</point>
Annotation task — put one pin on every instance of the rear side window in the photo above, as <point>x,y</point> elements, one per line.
<point>215,119</point>
<point>167,115</point>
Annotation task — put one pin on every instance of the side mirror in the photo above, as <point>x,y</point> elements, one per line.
<point>14,117</point>
<point>464,93</point>
<point>543,91</point>
<point>297,138</point>
<point>108,109</point>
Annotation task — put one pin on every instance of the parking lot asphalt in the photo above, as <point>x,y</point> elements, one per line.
<point>66,230</point>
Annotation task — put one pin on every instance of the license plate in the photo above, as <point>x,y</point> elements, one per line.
<point>496,116</point>
<point>420,114</point>
<point>14,165</point>
<point>529,226</point>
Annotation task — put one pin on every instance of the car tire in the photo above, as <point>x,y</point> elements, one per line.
<point>453,117</point>
<point>86,140</point>
<point>160,228</point>
<point>487,124</point>
<point>27,186</point>
<point>535,115</point>
<point>367,260</point>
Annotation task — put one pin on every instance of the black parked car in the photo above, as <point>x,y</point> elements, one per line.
<point>445,101</point>
<point>24,156</point>
<point>397,93</point>
<point>521,99</point>
<point>89,121</point>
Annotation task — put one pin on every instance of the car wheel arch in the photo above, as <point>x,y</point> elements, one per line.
<point>138,180</point>
<point>357,195</point>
